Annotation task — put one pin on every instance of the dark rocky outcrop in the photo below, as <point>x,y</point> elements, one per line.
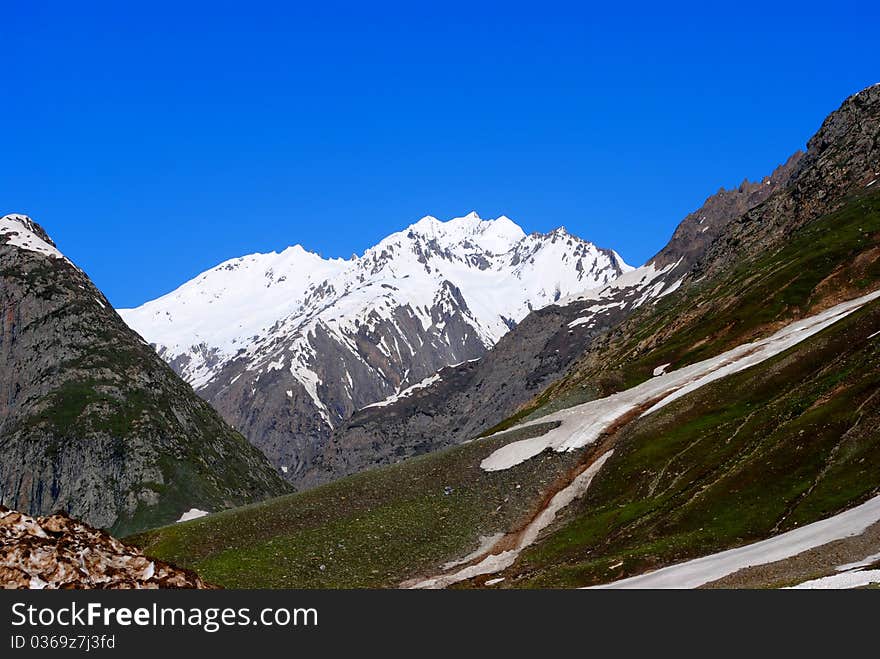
<point>92,421</point>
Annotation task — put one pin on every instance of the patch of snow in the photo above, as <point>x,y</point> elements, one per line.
<point>427,382</point>
<point>661,370</point>
<point>284,469</point>
<point>494,582</point>
<point>310,381</point>
<point>871,183</point>
<point>19,232</point>
<point>192,513</point>
<point>692,574</point>
<point>874,334</point>
<point>672,288</point>
<point>101,304</point>
<point>486,543</point>
<point>583,424</point>
<point>839,581</point>
<point>498,562</point>
<point>865,562</point>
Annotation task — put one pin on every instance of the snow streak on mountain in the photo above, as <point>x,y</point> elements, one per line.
<point>288,345</point>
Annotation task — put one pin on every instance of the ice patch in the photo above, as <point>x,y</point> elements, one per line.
<point>192,513</point>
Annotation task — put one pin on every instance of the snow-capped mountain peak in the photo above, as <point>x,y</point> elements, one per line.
<point>495,236</point>
<point>325,337</point>
<point>22,232</point>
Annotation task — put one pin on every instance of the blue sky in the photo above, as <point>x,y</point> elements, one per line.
<point>154,141</point>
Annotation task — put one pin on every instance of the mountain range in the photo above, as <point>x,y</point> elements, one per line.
<point>467,406</point>
<point>710,420</point>
<point>289,346</point>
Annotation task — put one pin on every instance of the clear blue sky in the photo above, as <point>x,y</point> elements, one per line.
<point>154,141</point>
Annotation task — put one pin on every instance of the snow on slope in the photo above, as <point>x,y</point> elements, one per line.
<point>583,424</point>
<point>700,571</point>
<point>496,562</point>
<point>19,231</point>
<point>855,579</point>
<point>268,308</point>
<point>233,301</point>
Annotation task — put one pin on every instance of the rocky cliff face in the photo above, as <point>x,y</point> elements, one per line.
<point>92,422</point>
<point>289,346</point>
<point>58,552</point>
<point>842,158</point>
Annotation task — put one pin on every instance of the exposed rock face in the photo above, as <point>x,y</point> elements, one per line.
<point>842,158</point>
<point>289,346</point>
<point>467,399</point>
<point>699,229</point>
<point>58,552</point>
<point>92,422</point>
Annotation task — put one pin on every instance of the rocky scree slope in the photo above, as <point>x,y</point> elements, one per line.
<point>58,552</point>
<point>288,346</point>
<point>92,422</point>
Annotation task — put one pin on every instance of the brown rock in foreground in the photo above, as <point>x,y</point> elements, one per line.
<point>58,552</point>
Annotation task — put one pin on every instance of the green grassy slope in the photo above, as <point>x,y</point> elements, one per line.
<point>784,443</point>
<point>372,529</point>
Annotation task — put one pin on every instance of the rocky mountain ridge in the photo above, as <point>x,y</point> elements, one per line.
<point>92,422</point>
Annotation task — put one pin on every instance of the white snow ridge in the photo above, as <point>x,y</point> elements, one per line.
<point>268,309</point>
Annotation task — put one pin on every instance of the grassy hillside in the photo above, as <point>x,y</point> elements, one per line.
<point>791,441</point>
<point>784,443</point>
<point>372,529</point>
